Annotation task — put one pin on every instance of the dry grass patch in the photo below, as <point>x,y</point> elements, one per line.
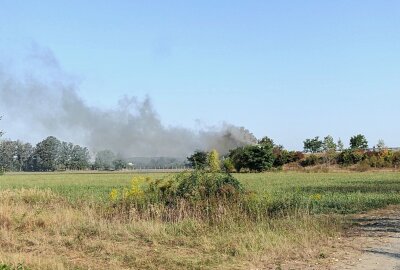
<point>42,230</point>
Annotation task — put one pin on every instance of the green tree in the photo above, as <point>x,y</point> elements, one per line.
<point>64,159</point>
<point>8,155</point>
<point>358,142</point>
<point>47,154</point>
<point>104,160</point>
<point>23,152</point>
<point>198,160</point>
<point>256,158</point>
<point>239,157</point>
<point>340,145</point>
<point>266,141</point>
<point>313,145</point>
<point>261,158</point>
<point>329,146</point>
<point>120,164</point>
<point>213,161</point>
<point>79,159</point>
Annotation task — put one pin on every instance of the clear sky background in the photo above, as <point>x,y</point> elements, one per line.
<point>287,69</point>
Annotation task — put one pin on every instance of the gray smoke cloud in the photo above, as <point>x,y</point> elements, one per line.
<point>46,101</point>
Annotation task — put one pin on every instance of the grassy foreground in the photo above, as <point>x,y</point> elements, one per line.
<point>60,221</point>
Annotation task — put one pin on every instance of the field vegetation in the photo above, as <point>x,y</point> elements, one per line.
<point>84,221</point>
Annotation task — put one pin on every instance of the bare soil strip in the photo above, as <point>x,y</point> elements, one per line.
<point>376,238</point>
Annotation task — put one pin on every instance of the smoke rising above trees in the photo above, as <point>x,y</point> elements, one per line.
<point>44,100</point>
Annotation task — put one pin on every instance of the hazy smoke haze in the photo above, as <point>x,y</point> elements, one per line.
<point>42,100</point>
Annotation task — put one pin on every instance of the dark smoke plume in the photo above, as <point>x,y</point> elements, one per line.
<point>46,102</point>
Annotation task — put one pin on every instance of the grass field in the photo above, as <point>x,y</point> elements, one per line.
<point>327,192</point>
<point>57,221</point>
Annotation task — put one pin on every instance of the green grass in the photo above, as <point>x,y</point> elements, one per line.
<point>71,185</point>
<point>9,267</point>
<point>341,192</point>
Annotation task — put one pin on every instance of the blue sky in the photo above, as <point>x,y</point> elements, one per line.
<point>287,69</point>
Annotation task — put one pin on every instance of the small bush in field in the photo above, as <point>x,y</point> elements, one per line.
<point>200,185</point>
<point>198,194</point>
<point>193,186</point>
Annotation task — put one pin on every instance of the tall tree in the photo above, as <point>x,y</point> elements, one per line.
<point>47,154</point>
<point>329,144</point>
<point>329,147</point>
<point>358,142</point>
<point>23,153</point>
<point>79,159</point>
<point>340,145</point>
<point>313,145</point>
<point>64,159</point>
<point>8,155</point>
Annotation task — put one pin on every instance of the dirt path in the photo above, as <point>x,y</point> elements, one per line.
<point>377,241</point>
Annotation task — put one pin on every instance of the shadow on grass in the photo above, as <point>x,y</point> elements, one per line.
<point>364,187</point>
<point>378,225</point>
<point>385,253</point>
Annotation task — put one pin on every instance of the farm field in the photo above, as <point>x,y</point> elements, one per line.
<point>61,221</point>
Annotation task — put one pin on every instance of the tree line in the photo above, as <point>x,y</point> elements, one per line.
<point>52,154</point>
<point>266,155</point>
<point>48,155</point>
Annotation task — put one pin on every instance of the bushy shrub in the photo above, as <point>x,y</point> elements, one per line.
<point>280,156</point>
<point>311,160</point>
<point>283,156</point>
<point>199,186</point>
<point>396,159</point>
<point>256,158</point>
<point>211,197</point>
<point>191,186</point>
<point>227,165</point>
<point>295,156</point>
<point>350,157</point>
<point>379,160</point>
